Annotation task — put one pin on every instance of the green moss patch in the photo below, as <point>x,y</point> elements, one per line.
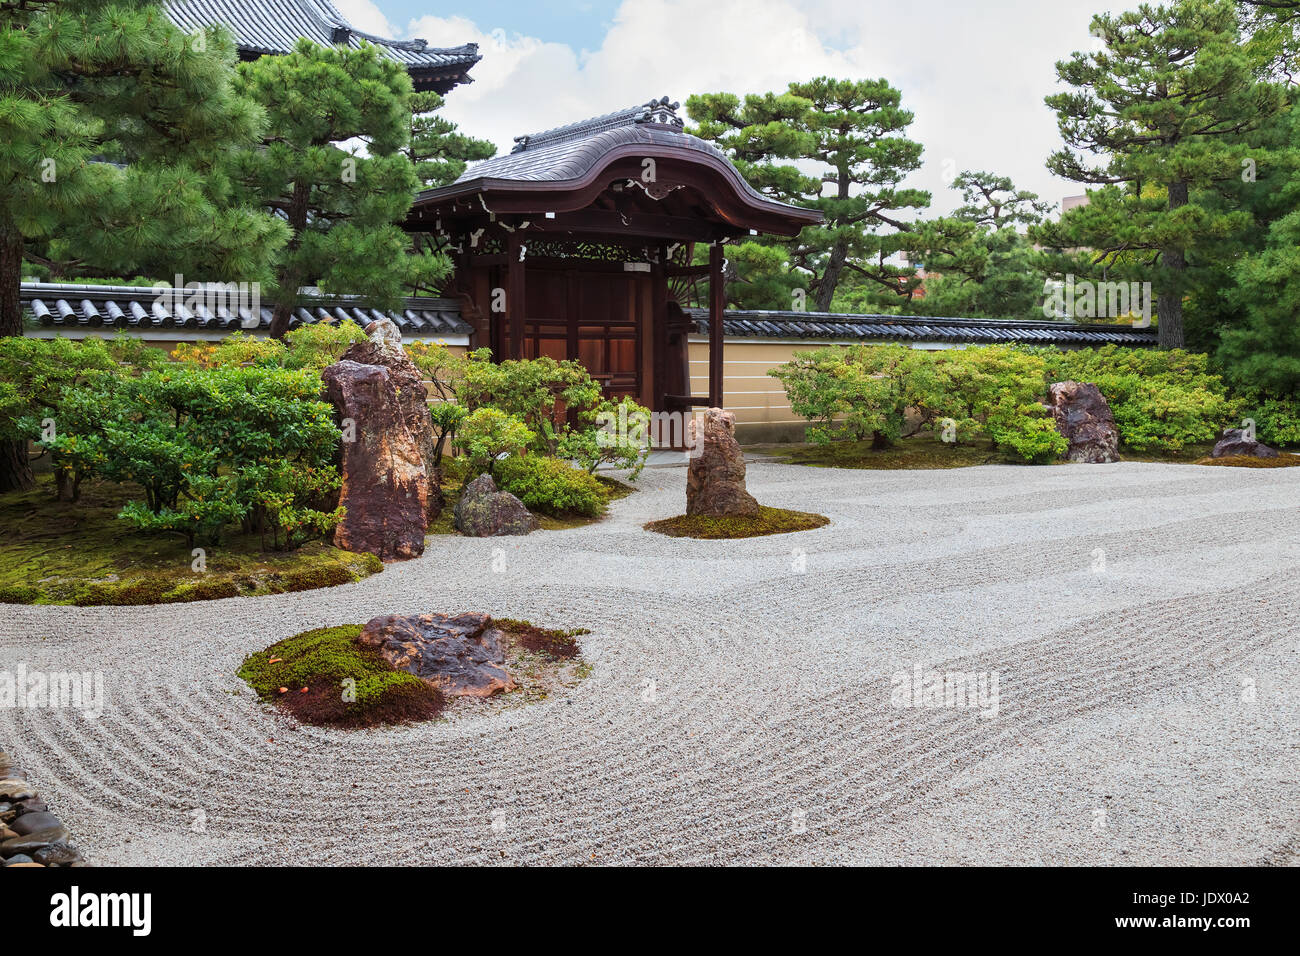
<point>767,521</point>
<point>550,642</point>
<point>309,674</point>
<point>1250,461</point>
<point>58,552</point>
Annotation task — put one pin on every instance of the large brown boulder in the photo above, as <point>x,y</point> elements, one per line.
<point>1235,441</point>
<point>1084,417</point>
<point>461,655</point>
<point>385,487</point>
<point>485,512</point>
<point>715,480</point>
<point>384,348</point>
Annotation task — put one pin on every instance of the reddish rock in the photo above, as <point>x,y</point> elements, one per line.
<point>1084,417</point>
<point>715,480</point>
<point>385,487</point>
<point>485,512</point>
<point>1235,441</point>
<point>412,398</point>
<point>461,655</point>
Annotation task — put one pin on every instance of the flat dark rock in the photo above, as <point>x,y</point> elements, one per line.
<point>461,655</point>
<point>1236,442</point>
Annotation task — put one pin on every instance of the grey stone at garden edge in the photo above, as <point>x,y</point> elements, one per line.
<point>31,822</point>
<point>485,512</point>
<point>30,842</point>
<point>18,858</point>
<point>11,790</point>
<point>1235,442</point>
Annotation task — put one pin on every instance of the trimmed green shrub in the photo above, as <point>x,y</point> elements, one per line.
<point>1162,399</point>
<point>210,446</point>
<point>865,392</point>
<point>551,486</point>
<point>487,434</point>
<point>1277,420</point>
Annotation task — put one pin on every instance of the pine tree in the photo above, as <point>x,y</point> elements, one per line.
<point>437,148</point>
<point>440,153</point>
<point>1164,106</point>
<point>854,130</point>
<point>111,122</point>
<point>342,201</point>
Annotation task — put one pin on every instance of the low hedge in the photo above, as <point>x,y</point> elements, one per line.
<point>551,486</point>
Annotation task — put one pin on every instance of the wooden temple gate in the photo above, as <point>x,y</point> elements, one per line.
<point>581,242</point>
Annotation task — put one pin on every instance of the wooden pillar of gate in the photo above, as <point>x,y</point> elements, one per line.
<point>717,305</point>
<point>516,301</point>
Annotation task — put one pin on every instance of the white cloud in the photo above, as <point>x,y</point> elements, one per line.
<point>975,75</point>
<point>366,17</point>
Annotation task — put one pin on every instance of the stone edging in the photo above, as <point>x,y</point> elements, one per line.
<point>29,834</point>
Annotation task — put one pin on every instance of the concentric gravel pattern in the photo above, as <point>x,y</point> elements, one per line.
<point>739,706</point>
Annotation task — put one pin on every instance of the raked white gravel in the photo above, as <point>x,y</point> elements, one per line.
<point>1141,620</point>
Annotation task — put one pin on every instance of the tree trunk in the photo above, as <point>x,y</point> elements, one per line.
<point>11,277</point>
<point>15,468</point>
<point>1169,302</point>
<point>831,277</point>
<point>291,276</point>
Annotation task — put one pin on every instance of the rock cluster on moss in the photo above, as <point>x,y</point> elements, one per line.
<point>325,676</point>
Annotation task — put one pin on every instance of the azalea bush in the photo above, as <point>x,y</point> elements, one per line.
<point>551,486</point>
<point>210,447</point>
<point>887,392</point>
<point>313,346</point>
<point>34,375</point>
<point>1161,399</point>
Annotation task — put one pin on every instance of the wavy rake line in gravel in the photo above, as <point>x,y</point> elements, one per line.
<point>820,746</point>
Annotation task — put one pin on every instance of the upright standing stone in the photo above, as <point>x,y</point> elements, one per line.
<point>385,488</point>
<point>385,348</point>
<point>715,480</point>
<point>1084,417</point>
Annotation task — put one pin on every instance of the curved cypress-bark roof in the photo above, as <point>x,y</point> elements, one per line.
<point>570,160</point>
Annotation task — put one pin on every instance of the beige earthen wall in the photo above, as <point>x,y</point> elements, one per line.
<point>758,400</point>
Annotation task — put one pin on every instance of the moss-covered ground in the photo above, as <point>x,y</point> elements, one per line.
<point>58,552</point>
<point>920,452</point>
<point>1283,460</point>
<point>767,521</point>
<point>309,674</point>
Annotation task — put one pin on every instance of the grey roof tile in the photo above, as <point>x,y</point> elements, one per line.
<point>840,326</point>
<point>274,26</point>
<point>68,306</point>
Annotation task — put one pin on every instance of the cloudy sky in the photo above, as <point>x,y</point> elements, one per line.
<point>975,74</point>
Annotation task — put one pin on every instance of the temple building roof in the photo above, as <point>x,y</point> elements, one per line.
<point>567,168</point>
<point>263,27</point>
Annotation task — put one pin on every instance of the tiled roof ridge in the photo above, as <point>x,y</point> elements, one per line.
<point>661,111</point>
<point>249,20</point>
<point>62,305</point>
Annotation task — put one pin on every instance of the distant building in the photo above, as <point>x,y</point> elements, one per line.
<point>266,27</point>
